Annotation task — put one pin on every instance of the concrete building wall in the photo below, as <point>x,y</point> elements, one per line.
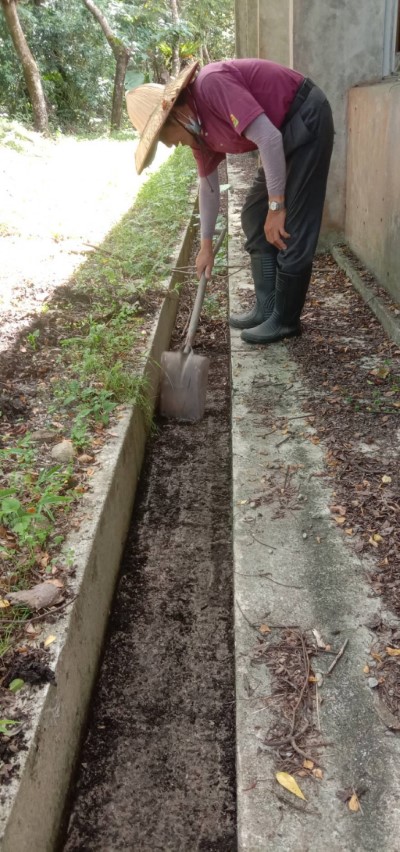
<point>346,47</point>
<point>247,15</point>
<point>373,180</point>
<point>338,43</point>
<point>275,28</point>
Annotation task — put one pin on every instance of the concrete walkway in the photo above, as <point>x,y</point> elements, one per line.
<point>292,567</point>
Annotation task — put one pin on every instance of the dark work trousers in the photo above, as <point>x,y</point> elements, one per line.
<point>307,140</point>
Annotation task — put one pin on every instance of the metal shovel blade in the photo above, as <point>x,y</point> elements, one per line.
<point>183,385</point>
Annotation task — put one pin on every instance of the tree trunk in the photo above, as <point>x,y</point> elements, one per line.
<point>121,55</point>
<point>175,49</point>
<point>30,69</point>
<point>118,93</point>
<point>206,53</point>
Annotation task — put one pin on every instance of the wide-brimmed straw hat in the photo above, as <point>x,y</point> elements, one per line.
<point>149,107</point>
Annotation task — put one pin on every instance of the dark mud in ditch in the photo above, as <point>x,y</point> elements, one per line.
<point>158,766</point>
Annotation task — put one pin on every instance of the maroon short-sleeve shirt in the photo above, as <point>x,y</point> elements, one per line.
<point>228,96</point>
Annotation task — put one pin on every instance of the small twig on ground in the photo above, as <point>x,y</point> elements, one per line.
<point>287,477</point>
<point>284,440</point>
<point>253,626</point>
<point>317,707</point>
<point>300,751</point>
<point>264,543</point>
<point>304,809</point>
<point>337,658</point>
<point>291,734</point>
<point>299,416</point>
<point>290,804</point>
<point>105,252</point>
<point>46,614</point>
<point>287,388</point>
<point>267,576</point>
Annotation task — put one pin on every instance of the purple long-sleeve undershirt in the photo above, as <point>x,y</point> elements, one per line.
<point>268,139</point>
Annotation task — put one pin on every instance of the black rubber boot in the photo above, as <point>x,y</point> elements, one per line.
<point>290,295</point>
<point>263,268</point>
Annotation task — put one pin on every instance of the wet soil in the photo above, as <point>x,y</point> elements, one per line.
<point>158,766</point>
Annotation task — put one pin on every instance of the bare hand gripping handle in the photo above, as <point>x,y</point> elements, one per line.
<point>201,290</point>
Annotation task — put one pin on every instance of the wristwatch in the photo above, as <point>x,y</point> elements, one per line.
<point>276,205</point>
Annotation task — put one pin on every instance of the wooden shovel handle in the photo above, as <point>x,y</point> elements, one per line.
<point>201,290</point>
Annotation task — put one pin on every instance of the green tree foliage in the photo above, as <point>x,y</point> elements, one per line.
<point>212,27</point>
<point>77,65</point>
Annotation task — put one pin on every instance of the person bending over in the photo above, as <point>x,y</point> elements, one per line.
<point>233,107</point>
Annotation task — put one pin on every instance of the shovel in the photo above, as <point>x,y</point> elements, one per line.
<point>183,374</point>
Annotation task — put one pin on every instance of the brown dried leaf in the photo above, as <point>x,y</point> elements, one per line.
<point>354,804</point>
<point>380,372</point>
<point>338,510</point>
<point>32,630</point>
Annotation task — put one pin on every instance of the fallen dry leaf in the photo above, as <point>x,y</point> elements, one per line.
<point>49,641</point>
<point>289,783</point>
<point>33,631</point>
<point>308,764</point>
<point>386,480</point>
<point>393,652</point>
<point>4,604</point>
<point>380,372</point>
<point>318,774</point>
<point>354,804</point>
<point>319,639</point>
<point>338,510</point>
<point>346,795</point>
<point>264,628</point>
<point>58,583</point>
